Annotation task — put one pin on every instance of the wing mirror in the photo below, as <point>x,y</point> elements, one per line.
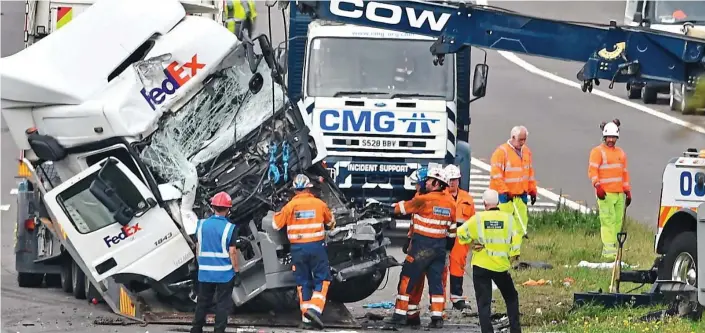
<point>282,58</point>
<point>479,80</point>
<point>116,192</point>
<point>638,18</point>
<point>256,83</point>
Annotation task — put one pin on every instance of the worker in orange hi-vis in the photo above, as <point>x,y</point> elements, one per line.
<point>512,176</point>
<point>305,218</point>
<point>465,209</point>
<point>433,215</point>
<point>608,173</point>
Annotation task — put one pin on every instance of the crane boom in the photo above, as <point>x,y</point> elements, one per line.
<point>609,51</point>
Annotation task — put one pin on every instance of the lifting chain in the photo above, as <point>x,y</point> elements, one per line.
<point>273,174</point>
<point>285,159</point>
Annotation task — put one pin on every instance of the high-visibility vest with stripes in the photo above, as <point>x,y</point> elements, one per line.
<point>512,172</point>
<point>432,214</point>
<point>495,230</point>
<point>304,218</point>
<point>237,11</point>
<point>214,235</point>
<point>608,166</point>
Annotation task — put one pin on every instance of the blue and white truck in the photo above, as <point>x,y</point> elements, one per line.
<point>385,108</point>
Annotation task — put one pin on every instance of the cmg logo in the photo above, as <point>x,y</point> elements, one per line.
<point>419,120</point>
<point>368,121</point>
<point>362,121</point>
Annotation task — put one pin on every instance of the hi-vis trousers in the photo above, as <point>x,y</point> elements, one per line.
<point>611,216</point>
<point>312,274</point>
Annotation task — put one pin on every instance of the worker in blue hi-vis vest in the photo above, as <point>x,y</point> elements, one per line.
<point>217,264</point>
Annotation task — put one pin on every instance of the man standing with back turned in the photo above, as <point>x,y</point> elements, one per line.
<point>512,176</point>
<point>494,237</point>
<point>608,173</point>
<point>218,270</point>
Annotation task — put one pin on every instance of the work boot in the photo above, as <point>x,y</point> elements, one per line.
<point>307,326</point>
<point>414,322</point>
<point>395,322</point>
<point>436,322</point>
<point>462,305</point>
<point>315,319</point>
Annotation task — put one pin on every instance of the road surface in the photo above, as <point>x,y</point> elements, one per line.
<point>562,120</point>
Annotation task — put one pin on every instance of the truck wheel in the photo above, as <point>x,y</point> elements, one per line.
<point>78,281</point>
<point>649,95</point>
<point>90,291</point>
<point>66,283</point>
<point>29,280</point>
<point>277,300</point>
<point>679,264</point>
<point>633,92</point>
<point>53,280</point>
<point>357,288</point>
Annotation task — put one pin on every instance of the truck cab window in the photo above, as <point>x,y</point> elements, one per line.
<point>121,154</point>
<point>86,212</point>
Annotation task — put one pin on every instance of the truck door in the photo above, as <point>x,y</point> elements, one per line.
<point>114,224</point>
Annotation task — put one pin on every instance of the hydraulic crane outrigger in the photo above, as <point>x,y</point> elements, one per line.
<point>610,51</point>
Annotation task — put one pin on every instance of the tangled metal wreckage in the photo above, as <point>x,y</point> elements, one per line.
<point>114,219</point>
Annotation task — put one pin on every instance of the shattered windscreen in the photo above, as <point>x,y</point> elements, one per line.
<point>222,113</point>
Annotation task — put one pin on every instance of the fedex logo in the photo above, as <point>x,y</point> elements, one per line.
<point>390,14</point>
<point>127,231</point>
<point>176,76</point>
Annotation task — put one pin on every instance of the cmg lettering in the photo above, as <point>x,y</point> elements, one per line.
<point>389,14</point>
<point>176,76</point>
<point>127,231</point>
<point>361,121</point>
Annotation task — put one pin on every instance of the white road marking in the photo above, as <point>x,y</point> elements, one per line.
<point>479,177</point>
<point>13,191</point>
<point>4,208</point>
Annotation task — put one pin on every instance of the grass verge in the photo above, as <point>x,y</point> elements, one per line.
<point>563,239</point>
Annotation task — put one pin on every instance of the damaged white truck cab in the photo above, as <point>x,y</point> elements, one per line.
<point>124,142</point>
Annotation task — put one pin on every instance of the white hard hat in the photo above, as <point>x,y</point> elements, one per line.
<point>452,171</point>
<point>610,129</point>
<point>439,174</point>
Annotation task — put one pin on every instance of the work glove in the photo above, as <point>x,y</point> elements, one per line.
<point>236,280</point>
<point>629,197</point>
<point>504,197</point>
<point>600,192</point>
<point>449,243</point>
<point>532,194</point>
<point>405,248</point>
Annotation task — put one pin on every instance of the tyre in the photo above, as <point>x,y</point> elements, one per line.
<point>78,281</point>
<point>66,282</point>
<point>277,300</point>
<point>30,280</point>
<point>53,280</point>
<point>649,95</point>
<point>90,291</point>
<point>357,288</point>
<point>633,92</point>
<point>679,263</point>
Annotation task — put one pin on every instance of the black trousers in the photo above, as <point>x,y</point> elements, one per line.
<point>482,280</point>
<point>223,305</point>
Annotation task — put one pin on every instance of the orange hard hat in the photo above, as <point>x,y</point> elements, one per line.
<point>221,199</point>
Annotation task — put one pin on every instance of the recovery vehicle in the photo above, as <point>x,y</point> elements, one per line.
<point>382,117</point>
<point>124,142</point>
<point>143,126</point>
<point>684,17</point>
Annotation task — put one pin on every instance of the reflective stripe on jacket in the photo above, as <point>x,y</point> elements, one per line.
<point>608,166</point>
<point>498,233</point>
<point>433,214</point>
<point>214,235</point>
<point>512,172</point>
<point>237,11</point>
<point>304,218</point>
